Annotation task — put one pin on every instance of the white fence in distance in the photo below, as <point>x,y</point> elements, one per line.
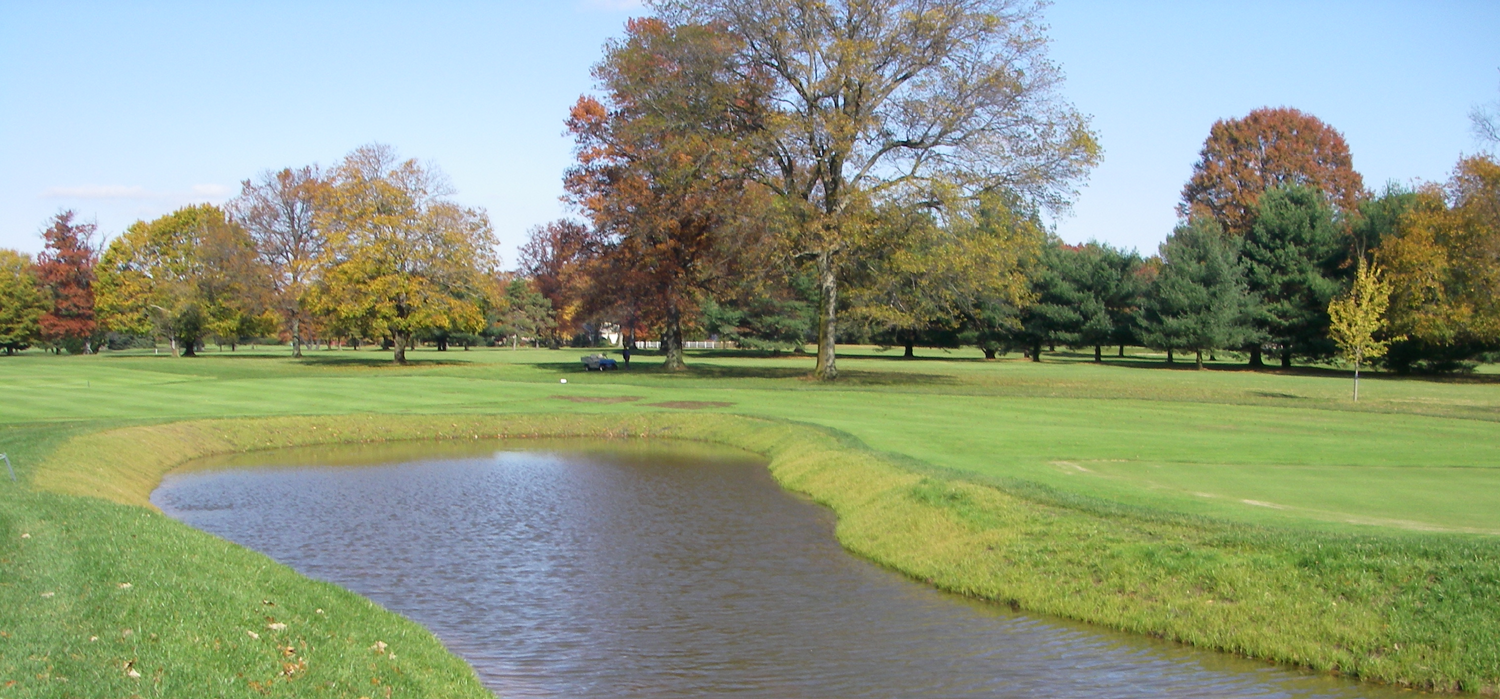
<point>688,344</point>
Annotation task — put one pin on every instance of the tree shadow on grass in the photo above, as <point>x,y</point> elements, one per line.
<point>372,361</point>
<point>1326,372</point>
<point>721,372</point>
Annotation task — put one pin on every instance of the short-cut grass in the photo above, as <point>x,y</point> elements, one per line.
<point>1261,513</point>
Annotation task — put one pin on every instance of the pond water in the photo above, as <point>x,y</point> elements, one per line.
<point>659,570</point>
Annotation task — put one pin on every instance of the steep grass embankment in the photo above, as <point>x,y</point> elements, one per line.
<point>1410,610</point>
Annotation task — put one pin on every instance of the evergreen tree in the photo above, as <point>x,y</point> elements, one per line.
<point>1199,300</point>
<point>1291,255</point>
<point>1086,296</point>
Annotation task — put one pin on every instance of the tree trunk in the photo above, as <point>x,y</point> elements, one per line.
<point>1036,350</point>
<point>909,346</point>
<point>1098,354</point>
<point>1122,350</point>
<point>671,339</point>
<point>1169,355</point>
<point>296,337</point>
<point>1286,356</point>
<point>1255,359</point>
<point>1200,360</point>
<point>399,344</point>
<point>190,347</point>
<point>828,303</point>
<point>989,352</point>
<point>1356,381</point>
<point>442,344</point>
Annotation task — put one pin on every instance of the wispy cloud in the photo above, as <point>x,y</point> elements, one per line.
<point>126,192</point>
<point>106,191</point>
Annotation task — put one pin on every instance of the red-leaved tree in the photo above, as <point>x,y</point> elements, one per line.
<point>663,168</point>
<point>66,272</point>
<point>1243,158</point>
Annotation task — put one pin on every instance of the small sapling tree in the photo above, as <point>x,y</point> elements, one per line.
<point>1357,316</point>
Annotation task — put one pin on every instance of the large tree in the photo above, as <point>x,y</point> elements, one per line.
<point>281,211</point>
<point>186,275</point>
<point>562,261</point>
<point>401,259</point>
<point>66,272</point>
<point>1292,256</point>
<point>662,165</point>
<point>1244,158</point>
<point>22,302</point>
<point>876,98</point>
<point>1199,300</point>
<point>932,278</point>
<point>1443,264</point>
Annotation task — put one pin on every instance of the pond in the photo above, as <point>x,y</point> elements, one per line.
<point>588,569</point>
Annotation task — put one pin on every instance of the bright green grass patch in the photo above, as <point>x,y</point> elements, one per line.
<point>1235,435</point>
<point>1414,610</point>
<point>106,600</point>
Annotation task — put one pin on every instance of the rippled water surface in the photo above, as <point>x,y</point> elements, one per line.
<point>579,570</point>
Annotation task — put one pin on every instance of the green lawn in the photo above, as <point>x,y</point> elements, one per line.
<point>1252,446</point>
<point>1256,512</point>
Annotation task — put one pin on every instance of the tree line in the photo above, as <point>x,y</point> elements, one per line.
<point>780,173</point>
<point>371,250</point>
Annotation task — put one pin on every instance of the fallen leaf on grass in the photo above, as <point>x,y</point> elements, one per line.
<point>276,626</point>
<point>379,647</point>
<point>126,586</point>
<point>48,595</point>
<point>253,634</point>
<point>25,536</point>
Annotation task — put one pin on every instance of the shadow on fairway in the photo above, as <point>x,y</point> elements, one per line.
<point>704,370</point>
<point>371,361</point>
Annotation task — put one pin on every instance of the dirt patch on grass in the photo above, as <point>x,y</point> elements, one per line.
<point>690,404</point>
<point>599,399</point>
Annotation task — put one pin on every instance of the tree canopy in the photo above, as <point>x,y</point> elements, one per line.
<point>186,275</point>
<point>401,259</point>
<point>662,165</point>
<point>876,98</point>
<point>1443,263</point>
<point>1292,255</point>
<point>1199,300</point>
<point>65,270</point>
<point>1244,158</point>
<point>281,212</point>
<point>22,302</point>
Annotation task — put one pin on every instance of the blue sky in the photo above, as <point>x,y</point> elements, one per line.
<point>129,110</point>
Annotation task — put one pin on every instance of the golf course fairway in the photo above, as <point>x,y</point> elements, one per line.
<point>1257,513</point>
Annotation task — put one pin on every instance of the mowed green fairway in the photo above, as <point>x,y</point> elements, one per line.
<point>1261,447</point>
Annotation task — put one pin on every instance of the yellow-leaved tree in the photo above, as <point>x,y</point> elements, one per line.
<point>1358,315</point>
<point>1443,261</point>
<point>189,274</point>
<point>399,258</point>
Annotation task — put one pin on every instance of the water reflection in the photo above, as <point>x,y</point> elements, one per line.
<point>585,570</point>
